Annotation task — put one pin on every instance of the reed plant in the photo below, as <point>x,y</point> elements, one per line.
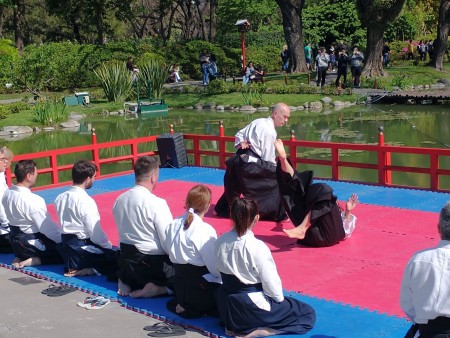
<point>116,81</point>
<point>50,112</point>
<point>153,75</point>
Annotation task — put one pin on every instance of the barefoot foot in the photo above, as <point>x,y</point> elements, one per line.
<point>299,232</point>
<point>30,262</point>
<point>123,289</point>
<point>179,309</point>
<point>149,290</point>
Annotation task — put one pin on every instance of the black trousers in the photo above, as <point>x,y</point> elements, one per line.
<point>193,292</point>
<point>33,245</point>
<point>321,75</point>
<point>342,71</point>
<point>137,269</point>
<point>77,256</point>
<point>436,328</point>
<point>5,246</point>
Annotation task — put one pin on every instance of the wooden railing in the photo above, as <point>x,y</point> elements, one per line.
<point>383,167</point>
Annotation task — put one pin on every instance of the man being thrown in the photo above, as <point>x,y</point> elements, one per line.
<point>142,219</point>
<point>33,235</point>
<point>312,208</point>
<point>251,171</point>
<point>84,245</point>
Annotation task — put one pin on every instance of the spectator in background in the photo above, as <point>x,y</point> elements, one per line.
<point>174,75</point>
<point>385,53</point>
<point>315,52</point>
<point>212,68</point>
<point>423,50</point>
<point>356,64</point>
<point>308,56</point>
<point>430,48</point>
<point>342,63</point>
<point>132,68</point>
<point>285,59</point>
<point>410,51</point>
<point>323,61</point>
<point>204,65</point>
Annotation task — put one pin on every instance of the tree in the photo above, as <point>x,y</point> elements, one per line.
<point>440,49</point>
<point>19,23</point>
<point>291,11</point>
<point>375,15</point>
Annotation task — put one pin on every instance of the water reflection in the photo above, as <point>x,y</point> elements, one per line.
<point>417,126</point>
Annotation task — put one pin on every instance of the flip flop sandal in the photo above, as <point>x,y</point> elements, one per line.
<point>167,331</point>
<point>61,291</point>
<point>51,288</point>
<point>159,325</point>
<point>98,304</point>
<point>89,300</point>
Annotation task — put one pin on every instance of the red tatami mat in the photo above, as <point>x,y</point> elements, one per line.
<point>365,270</point>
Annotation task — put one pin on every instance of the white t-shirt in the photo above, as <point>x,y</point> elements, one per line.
<point>4,224</point>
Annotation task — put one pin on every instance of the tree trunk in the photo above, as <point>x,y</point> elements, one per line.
<point>2,19</point>
<point>440,49</point>
<point>374,63</point>
<point>202,20</point>
<point>212,20</point>
<point>19,18</point>
<point>291,10</point>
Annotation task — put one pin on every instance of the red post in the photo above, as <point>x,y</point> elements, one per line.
<point>171,129</point>
<point>95,155</point>
<point>434,177</point>
<point>54,166</point>
<point>384,159</point>
<point>221,129</point>
<point>244,60</point>
<point>335,164</point>
<point>292,135</point>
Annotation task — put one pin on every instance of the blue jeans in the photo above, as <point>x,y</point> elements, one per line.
<point>205,73</point>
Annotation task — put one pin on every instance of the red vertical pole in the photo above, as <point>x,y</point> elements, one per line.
<point>244,60</point>
<point>384,159</point>
<point>171,129</point>
<point>95,155</point>
<point>335,163</point>
<point>222,148</point>
<point>54,166</point>
<point>434,177</point>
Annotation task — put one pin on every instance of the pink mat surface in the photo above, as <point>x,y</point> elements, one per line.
<point>364,270</point>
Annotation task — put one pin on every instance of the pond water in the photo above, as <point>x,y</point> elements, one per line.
<point>417,126</point>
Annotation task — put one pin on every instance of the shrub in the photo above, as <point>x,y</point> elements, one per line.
<point>152,77</point>
<point>401,80</point>
<point>252,94</point>
<point>116,81</point>
<point>4,112</point>
<point>17,107</point>
<point>9,57</point>
<point>50,112</point>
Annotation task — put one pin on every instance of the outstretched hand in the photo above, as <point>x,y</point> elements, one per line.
<point>351,203</point>
<point>245,144</point>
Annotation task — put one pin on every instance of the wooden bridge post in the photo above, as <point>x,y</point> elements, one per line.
<point>95,155</point>
<point>384,159</point>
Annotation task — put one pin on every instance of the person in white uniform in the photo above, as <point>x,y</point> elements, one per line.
<point>33,234</point>
<point>191,245</point>
<point>141,217</point>
<point>5,246</point>
<point>251,171</point>
<point>84,245</point>
<point>425,288</point>
<point>251,301</point>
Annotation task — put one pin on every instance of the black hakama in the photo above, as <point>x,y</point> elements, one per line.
<point>26,246</point>
<point>241,315</point>
<point>193,292</point>
<point>300,196</point>
<point>79,254</point>
<point>137,269</point>
<point>254,179</point>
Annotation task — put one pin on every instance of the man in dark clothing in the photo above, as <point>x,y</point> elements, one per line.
<point>342,62</point>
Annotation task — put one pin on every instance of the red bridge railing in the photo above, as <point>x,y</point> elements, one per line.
<point>213,150</point>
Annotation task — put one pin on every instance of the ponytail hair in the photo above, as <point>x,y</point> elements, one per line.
<point>243,212</point>
<point>198,201</point>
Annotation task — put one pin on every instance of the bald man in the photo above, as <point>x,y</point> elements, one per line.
<point>251,171</point>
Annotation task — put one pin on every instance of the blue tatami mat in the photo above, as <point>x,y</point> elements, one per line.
<point>382,196</point>
<point>333,319</point>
